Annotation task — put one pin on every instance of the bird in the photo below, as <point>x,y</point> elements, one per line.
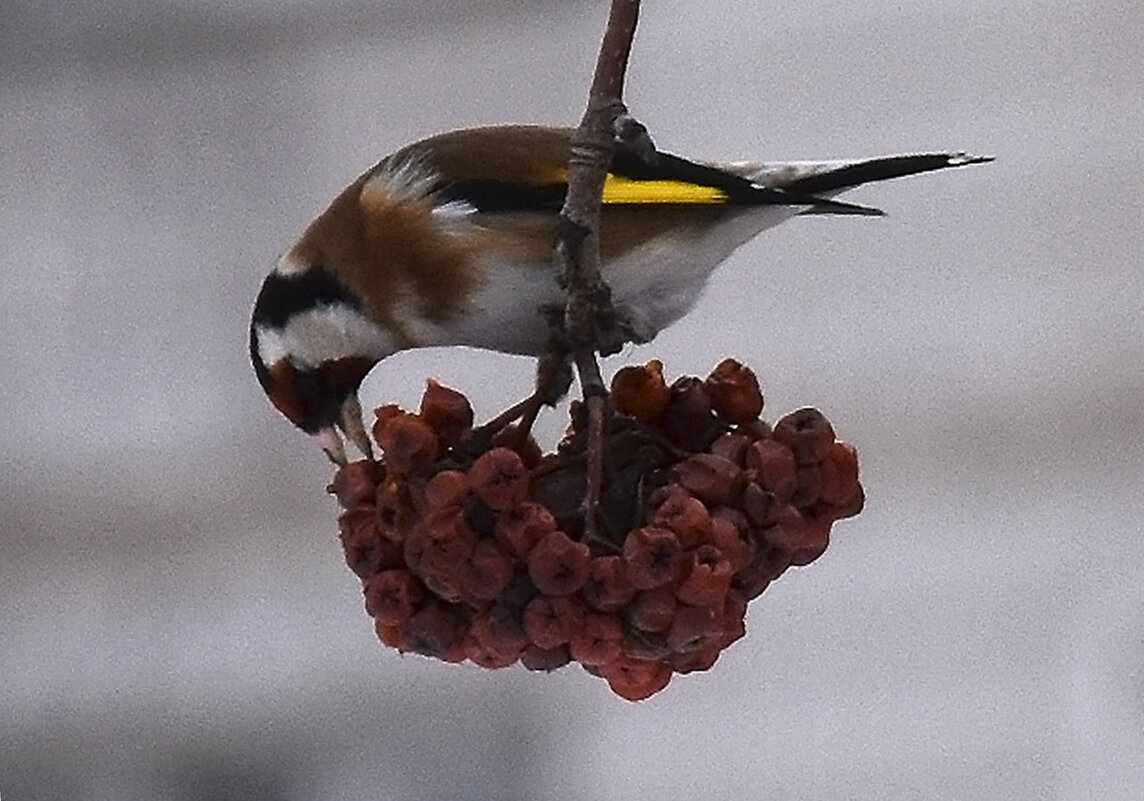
<point>449,241</point>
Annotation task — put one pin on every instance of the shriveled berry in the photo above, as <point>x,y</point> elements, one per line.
<point>550,621</point>
<point>706,577</point>
<point>688,421</point>
<point>774,468</point>
<point>710,478</point>
<point>447,411</point>
<point>700,659</point>
<point>641,392</point>
<point>652,557</point>
<point>558,565</point>
<point>356,483</point>
<point>486,573</point>
<point>410,445</point>
<point>686,516</point>
<point>598,641</point>
<point>522,526</point>
<point>432,631</point>
<point>608,587</point>
<point>694,627</point>
<point>636,679</point>
<point>546,659</point>
<point>392,596</point>
<point>500,478</point>
<point>653,610</point>
<point>734,392</point>
<point>808,433</point>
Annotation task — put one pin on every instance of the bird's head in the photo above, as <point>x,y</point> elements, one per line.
<point>311,344</point>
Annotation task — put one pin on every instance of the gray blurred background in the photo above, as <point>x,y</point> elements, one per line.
<point>177,622</point>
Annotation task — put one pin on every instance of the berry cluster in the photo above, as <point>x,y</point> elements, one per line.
<point>471,544</point>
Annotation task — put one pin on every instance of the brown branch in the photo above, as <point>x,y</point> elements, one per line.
<point>589,319</point>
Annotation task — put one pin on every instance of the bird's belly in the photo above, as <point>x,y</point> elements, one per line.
<point>653,285</point>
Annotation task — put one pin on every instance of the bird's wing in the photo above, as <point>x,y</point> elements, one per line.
<point>524,168</point>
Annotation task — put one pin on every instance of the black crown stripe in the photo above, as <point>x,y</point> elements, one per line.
<point>283,297</point>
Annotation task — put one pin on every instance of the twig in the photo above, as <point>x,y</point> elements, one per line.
<point>589,317</point>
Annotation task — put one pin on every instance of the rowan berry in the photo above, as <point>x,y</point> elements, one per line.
<point>499,478</point>
<point>598,641</point>
<point>652,557</point>
<point>392,596</point>
<point>706,577</point>
<point>447,411</point>
<point>734,392</point>
<point>558,565</point>
<point>522,526</point>
<point>356,483</point>
<point>641,392</point>
<point>806,432</point>
<point>636,679</point>
<point>550,621</point>
<point>710,478</point>
<point>608,587</point>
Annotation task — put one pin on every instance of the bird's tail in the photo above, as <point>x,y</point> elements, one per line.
<point>824,179</point>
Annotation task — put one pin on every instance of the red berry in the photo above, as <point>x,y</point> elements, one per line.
<point>433,631</point>
<point>694,627</point>
<point>710,478</point>
<point>598,640</point>
<point>636,679</point>
<point>393,596</point>
<point>774,467</point>
<point>557,565</point>
<point>730,534</point>
<point>608,588</point>
<point>652,557</point>
<point>653,610</point>
<point>447,411</point>
<point>686,516</point>
<point>499,478</point>
<point>546,659</point>
<point>731,447</point>
<point>410,445</point>
<point>734,392</point>
<point>706,577</point>
<point>808,433</point>
<point>550,621</point>
<point>641,392</point>
<point>839,474</point>
<point>356,483</point>
<point>522,526</point>
<point>446,488</point>
<point>700,659</point>
<point>486,573</point>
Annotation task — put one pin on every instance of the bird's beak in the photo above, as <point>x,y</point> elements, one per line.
<point>350,423</point>
<point>331,442</point>
<point>353,426</point>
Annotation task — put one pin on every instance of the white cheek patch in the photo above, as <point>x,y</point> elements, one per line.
<point>324,334</point>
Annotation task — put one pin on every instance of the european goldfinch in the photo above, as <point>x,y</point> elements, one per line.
<point>449,241</point>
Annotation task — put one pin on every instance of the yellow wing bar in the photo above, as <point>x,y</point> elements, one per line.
<point>619,190</point>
